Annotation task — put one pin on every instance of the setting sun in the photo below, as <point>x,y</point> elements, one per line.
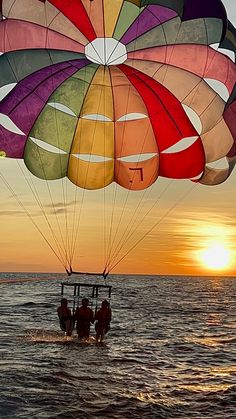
<point>215,256</point>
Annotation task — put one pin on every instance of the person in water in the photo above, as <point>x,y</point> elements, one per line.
<point>103,317</point>
<point>65,317</point>
<point>84,317</point>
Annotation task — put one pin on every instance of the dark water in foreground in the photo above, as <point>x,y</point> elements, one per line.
<point>171,352</point>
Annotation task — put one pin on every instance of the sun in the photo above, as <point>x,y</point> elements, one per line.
<point>216,256</point>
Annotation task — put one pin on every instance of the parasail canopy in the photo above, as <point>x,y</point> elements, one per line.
<point>125,91</point>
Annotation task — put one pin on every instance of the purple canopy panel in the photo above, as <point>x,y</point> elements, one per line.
<point>25,102</point>
<point>150,17</point>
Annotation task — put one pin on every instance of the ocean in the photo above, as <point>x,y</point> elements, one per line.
<point>170,352</point>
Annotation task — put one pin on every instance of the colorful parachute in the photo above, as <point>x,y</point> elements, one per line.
<point>125,91</point>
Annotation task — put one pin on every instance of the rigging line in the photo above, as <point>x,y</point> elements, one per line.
<point>174,124</point>
<point>115,189</point>
<point>59,229</point>
<point>57,129</point>
<point>102,90</point>
<point>104,172</point>
<point>123,240</point>
<point>154,226</point>
<point>75,226</point>
<point>31,176</point>
<point>76,188</point>
<point>30,216</point>
<point>133,232</point>
<point>62,245</point>
<point>195,185</point>
<point>108,222</point>
<point>112,239</point>
<point>129,233</point>
<point>67,244</point>
<point>131,222</point>
<point>132,219</point>
<point>40,205</point>
<point>65,241</point>
<point>87,171</point>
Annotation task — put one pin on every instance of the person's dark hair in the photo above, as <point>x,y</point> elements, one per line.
<point>105,303</point>
<point>85,301</point>
<point>63,301</point>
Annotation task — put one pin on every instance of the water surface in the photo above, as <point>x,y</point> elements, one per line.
<point>170,353</point>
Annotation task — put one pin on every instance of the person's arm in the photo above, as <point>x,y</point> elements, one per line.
<point>76,314</point>
<point>59,312</point>
<point>96,317</point>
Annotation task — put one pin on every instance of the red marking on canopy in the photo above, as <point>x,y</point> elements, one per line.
<point>74,10</point>
<point>170,125</point>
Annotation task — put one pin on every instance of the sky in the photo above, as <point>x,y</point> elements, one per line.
<point>182,219</point>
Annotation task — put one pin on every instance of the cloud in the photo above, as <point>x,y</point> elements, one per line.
<point>10,213</point>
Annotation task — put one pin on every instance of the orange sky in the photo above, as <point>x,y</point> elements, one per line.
<point>184,218</point>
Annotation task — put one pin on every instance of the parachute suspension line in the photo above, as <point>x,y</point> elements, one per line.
<point>76,223</point>
<point>154,226</point>
<point>66,241</point>
<point>135,216</point>
<point>114,188</point>
<point>40,205</point>
<point>127,236</point>
<point>122,240</point>
<point>86,177</point>
<point>63,241</point>
<point>29,215</point>
<point>53,207</point>
<point>75,226</point>
<point>130,231</point>
<point>63,247</point>
<point>37,199</point>
<point>112,237</point>
<point>112,246</point>
<point>76,217</point>
<point>104,171</point>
